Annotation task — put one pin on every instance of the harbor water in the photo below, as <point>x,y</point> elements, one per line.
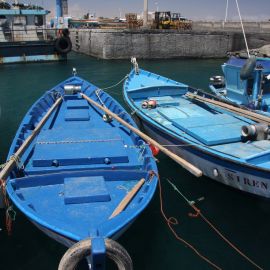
<point>242,218</point>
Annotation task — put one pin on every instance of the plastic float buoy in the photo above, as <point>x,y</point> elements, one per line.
<point>82,249</point>
<point>152,104</point>
<point>149,104</point>
<point>154,149</point>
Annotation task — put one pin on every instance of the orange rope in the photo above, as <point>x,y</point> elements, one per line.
<point>173,221</point>
<point>199,213</point>
<point>228,242</point>
<point>9,219</point>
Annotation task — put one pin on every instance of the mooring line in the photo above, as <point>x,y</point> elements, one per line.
<point>112,86</point>
<point>173,221</point>
<point>199,213</point>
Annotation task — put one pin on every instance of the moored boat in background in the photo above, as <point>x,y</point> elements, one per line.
<point>246,82</point>
<point>24,37</point>
<point>225,146</point>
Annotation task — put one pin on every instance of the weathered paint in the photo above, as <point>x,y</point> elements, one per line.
<point>32,58</point>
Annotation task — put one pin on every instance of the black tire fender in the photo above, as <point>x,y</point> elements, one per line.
<point>82,249</point>
<point>248,68</point>
<point>63,45</point>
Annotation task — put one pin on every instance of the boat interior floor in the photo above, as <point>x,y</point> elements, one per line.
<point>78,201</point>
<point>76,137</point>
<point>207,126</point>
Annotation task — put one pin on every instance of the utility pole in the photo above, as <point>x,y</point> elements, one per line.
<point>145,13</point>
<point>65,7</point>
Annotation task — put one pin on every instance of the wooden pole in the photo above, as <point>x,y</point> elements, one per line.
<point>188,166</point>
<point>246,113</point>
<point>12,162</point>
<point>127,199</point>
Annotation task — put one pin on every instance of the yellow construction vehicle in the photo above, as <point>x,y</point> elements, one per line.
<point>162,20</point>
<point>168,20</point>
<point>179,22</point>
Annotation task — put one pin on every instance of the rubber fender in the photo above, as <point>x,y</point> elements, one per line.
<point>248,68</point>
<point>63,45</point>
<point>65,32</point>
<point>82,249</point>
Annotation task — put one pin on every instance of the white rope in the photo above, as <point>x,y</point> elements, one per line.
<point>242,28</point>
<point>116,83</point>
<point>226,12</point>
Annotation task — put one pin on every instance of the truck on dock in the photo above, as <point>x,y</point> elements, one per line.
<point>169,20</point>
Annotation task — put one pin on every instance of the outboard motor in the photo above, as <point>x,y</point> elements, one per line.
<point>217,81</point>
<point>257,132</point>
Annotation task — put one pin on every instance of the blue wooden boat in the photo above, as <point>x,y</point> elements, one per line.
<point>213,139</point>
<point>246,82</point>
<point>79,166</point>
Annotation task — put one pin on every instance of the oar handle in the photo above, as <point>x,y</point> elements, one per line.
<point>12,162</point>
<point>188,166</point>
<point>124,203</point>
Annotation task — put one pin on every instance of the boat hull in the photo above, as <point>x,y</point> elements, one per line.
<point>68,242</point>
<point>246,179</point>
<point>22,52</point>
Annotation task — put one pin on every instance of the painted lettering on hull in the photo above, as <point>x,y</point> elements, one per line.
<point>233,177</point>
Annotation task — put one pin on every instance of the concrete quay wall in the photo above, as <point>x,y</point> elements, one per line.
<point>232,26</point>
<point>162,44</point>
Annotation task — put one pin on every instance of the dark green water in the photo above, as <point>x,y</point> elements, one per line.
<point>245,220</point>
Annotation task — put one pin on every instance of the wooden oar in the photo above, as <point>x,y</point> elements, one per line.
<point>123,204</point>
<point>246,113</point>
<point>12,162</point>
<point>188,166</point>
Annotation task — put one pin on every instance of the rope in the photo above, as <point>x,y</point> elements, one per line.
<point>17,160</point>
<point>98,91</point>
<point>3,165</point>
<point>173,221</point>
<point>78,141</point>
<point>10,213</point>
<point>199,213</point>
<point>226,12</point>
<point>236,1</point>
<point>112,86</point>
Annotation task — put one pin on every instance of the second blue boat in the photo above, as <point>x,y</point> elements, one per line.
<point>227,147</point>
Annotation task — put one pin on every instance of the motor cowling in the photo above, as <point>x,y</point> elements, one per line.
<point>256,132</point>
<point>217,81</point>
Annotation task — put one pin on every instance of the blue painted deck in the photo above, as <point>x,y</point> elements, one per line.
<point>79,168</point>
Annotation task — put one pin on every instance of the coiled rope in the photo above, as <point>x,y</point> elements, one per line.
<point>199,213</point>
